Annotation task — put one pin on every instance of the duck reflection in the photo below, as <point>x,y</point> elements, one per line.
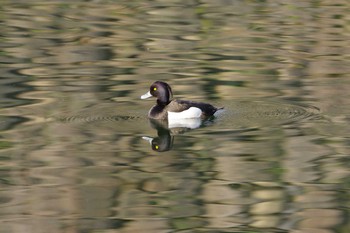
<point>166,131</point>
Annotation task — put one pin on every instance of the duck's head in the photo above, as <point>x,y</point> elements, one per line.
<point>161,90</point>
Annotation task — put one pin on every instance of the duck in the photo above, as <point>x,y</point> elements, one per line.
<point>168,108</point>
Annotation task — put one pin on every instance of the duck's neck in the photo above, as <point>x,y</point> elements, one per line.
<point>163,102</point>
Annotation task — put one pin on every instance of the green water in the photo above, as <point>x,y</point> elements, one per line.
<point>73,154</point>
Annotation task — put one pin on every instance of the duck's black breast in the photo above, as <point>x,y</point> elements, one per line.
<point>158,112</point>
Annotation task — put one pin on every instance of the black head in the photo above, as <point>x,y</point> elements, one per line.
<point>162,91</point>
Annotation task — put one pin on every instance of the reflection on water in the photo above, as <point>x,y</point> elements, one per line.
<point>72,152</point>
<point>243,114</point>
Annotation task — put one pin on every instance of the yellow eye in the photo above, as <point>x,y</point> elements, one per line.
<point>156,146</point>
<point>154,89</point>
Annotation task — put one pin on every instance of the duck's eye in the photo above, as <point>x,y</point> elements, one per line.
<point>156,147</point>
<point>154,88</point>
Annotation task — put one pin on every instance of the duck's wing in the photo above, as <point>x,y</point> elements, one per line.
<point>181,105</point>
<point>178,105</point>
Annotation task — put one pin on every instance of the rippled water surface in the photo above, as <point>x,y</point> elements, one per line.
<point>78,153</point>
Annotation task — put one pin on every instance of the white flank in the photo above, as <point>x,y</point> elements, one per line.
<point>192,112</point>
<point>189,118</point>
<point>190,123</point>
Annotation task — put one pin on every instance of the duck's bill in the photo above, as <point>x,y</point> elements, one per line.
<point>149,139</point>
<point>146,96</point>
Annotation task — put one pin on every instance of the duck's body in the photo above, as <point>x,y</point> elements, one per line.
<point>160,111</point>
<point>168,108</point>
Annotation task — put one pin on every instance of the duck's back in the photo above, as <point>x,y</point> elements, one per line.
<point>181,105</point>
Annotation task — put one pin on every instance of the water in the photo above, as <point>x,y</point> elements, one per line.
<point>72,152</point>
